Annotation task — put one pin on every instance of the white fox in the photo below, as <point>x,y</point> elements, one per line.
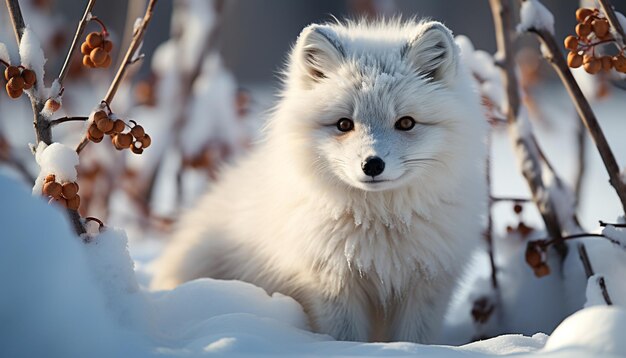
<point>367,195</point>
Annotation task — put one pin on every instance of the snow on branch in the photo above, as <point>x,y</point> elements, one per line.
<point>534,15</point>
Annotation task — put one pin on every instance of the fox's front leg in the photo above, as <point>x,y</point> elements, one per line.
<point>343,315</point>
<point>419,315</point>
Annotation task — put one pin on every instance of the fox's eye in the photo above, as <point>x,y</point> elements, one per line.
<point>345,125</point>
<point>405,123</point>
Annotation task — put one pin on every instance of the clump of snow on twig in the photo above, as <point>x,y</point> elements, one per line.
<point>57,159</point>
<point>4,53</point>
<point>616,234</point>
<point>533,15</point>
<point>32,56</point>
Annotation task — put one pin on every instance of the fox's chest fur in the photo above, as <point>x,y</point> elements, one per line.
<point>371,254</point>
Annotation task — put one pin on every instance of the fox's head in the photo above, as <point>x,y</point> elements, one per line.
<point>377,106</point>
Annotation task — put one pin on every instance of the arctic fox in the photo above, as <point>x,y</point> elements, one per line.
<point>366,197</point>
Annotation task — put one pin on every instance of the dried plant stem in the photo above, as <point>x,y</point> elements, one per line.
<point>58,121</point>
<point>613,21</point>
<point>554,56</point>
<point>79,32</point>
<point>489,228</point>
<point>128,60</point>
<point>581,141</point>
<point>43,132</point>
<point>525,145</point>
<point>584,258</point>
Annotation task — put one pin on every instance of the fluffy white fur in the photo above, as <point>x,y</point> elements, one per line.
<point>367,260</point>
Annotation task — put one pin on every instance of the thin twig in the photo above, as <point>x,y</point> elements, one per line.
<point>79,33</point>
<point>609,11</point>
<point>511,199</point>
<point>584,258</point>
<point>16,17</point>
<point>58,121</point>
<point>581,141</point>
<point>554,56</point>
<point>128,58</point>
<point>526,145</point>
<point>604,224</point>
<point>489,228</point>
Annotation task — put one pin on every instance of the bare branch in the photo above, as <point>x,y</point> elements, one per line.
<point>584,110</point>
<point>609,11</point>
<point>16,18</point>
<point>584,258</point>
<point>526,145</point>
<point>58,121</point>
<point>128,60</point>
<point>79,33</point>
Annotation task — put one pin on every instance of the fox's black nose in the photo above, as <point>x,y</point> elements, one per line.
<point>373,166</point>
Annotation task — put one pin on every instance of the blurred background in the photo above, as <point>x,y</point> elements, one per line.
<point>256,35</point>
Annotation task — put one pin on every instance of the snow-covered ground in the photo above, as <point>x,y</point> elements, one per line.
<point>63,298</point>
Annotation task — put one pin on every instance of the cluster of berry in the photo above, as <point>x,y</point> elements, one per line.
<point>136,139</point>
<point>535,258</point>
<point>592,30</point>
<point>96,50</point>
<point>18,79</point>
<point>65,194</point>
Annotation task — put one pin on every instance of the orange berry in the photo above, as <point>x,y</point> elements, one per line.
<point>124,140</point>
<point>49,178</point>
<point>583,30</point>
<point>542,270</point>
<point>574,60</point>
<point>571,43</point>
<point>94,39</point>
<point>99,115</point>
<point>94,132</point>
<point>136,148</point>
<point>592,65</point>
<point>145,141</point>
<point>137,131</point>
<point>52,105</point>
<point>73,203</point>
<point>533,257</point>
<point>88,62</point>
<point>85,49</point>
<point>607,63</point>
<point>69,190</point>
<point>11,72</point>
<point>619,62</point>
<point>582,13</point>
<point>29,76</point>
<point>52,189</point>
<point>107,45</point>
<point>98,55</point>
<point>118,126</point>
<point>600,27</point>
<point>107,61</point>
<point>105,124</point>
<point>16,83</point>
<point>14,93</point>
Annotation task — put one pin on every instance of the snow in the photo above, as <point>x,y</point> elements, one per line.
<point>32,56</point>
<point>82,299</point>
<point>593,331</point>
<point>534,15</point>
<point>4,53</point>
<point>618,234</point>
<point>57,159</point>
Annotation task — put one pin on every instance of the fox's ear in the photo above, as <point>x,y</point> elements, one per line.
<point>433,52</point>
<point>318,52</point>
